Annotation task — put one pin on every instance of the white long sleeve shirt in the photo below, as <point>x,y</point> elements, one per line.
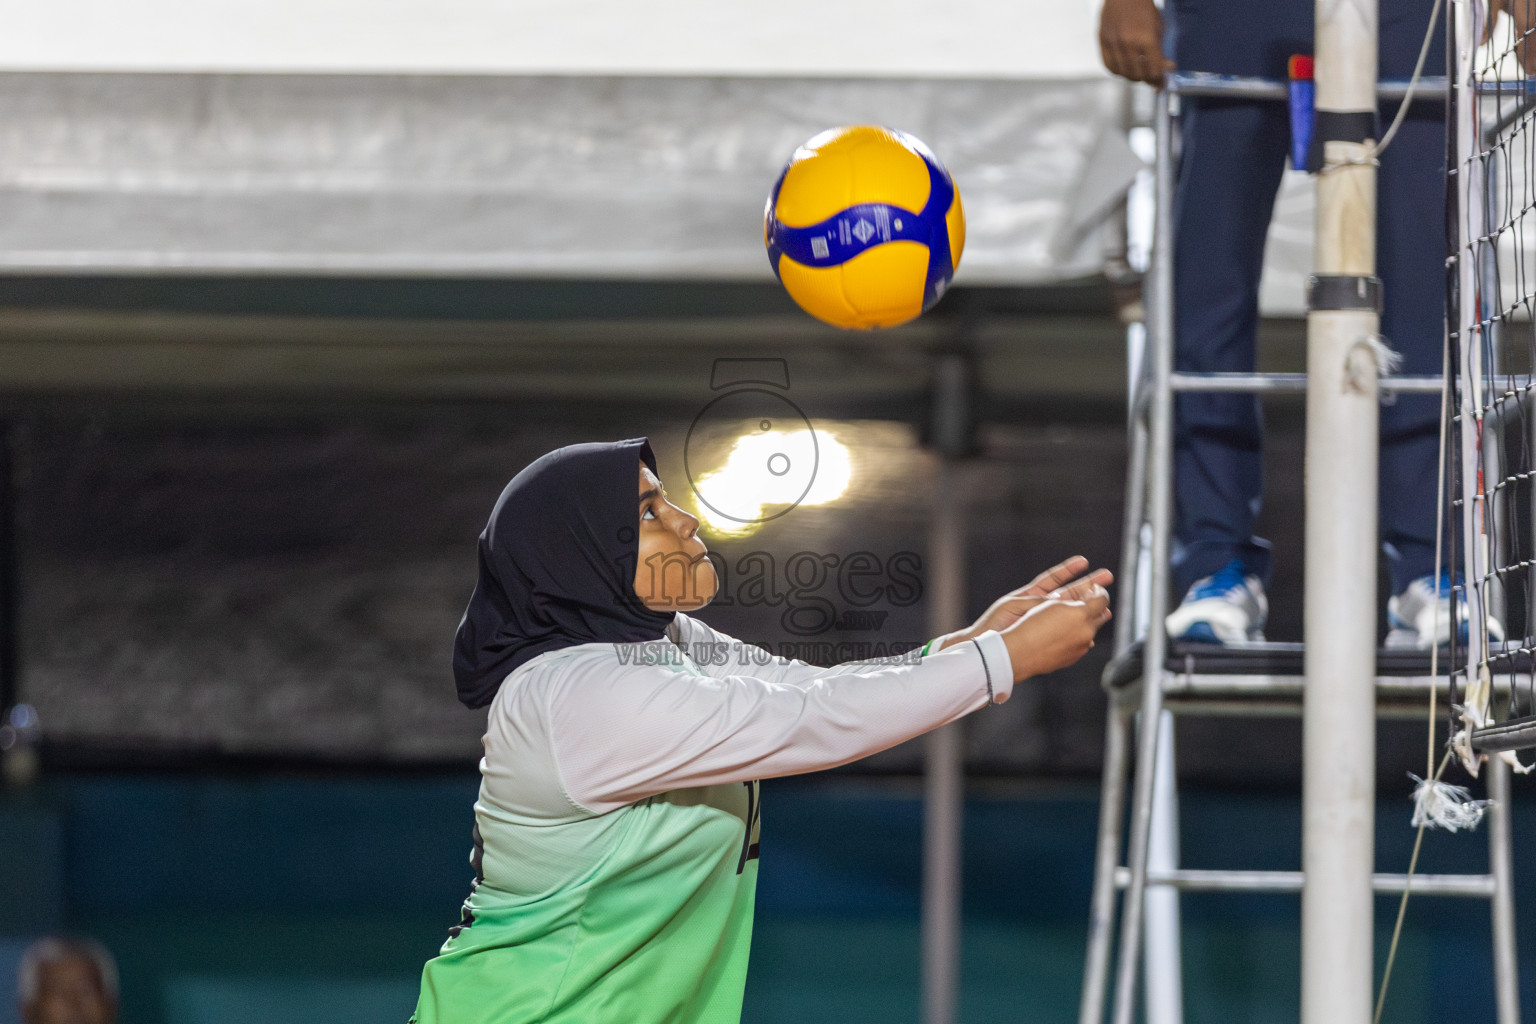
<point>589,729</point>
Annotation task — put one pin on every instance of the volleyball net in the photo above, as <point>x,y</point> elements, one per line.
<point>1492,334</point>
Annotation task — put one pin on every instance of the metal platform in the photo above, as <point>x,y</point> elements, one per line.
<point>1259,679</point>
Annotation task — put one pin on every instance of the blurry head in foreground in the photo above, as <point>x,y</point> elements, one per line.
<point>67,981</point>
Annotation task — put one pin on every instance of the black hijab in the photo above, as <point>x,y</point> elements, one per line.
<point>557,565</point>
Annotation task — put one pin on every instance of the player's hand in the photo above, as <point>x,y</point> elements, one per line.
<point>1057,631</point>
<point>1014,605</point>
<point>1131,41</point>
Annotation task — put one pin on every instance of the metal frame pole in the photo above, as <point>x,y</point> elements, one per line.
<point>1163,948</point>
<point>1101,915</point>
<point>1129,627</point>
<point>1164,945</point>
<point>1339,705</point>
<point>1159,506</point>
<point>10,573</point>
<point>943,814</point>
<point>944,778</point>
<point>1506,977</point>
<point>1128,622</point>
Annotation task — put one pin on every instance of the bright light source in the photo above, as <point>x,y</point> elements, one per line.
<point>766,472</point>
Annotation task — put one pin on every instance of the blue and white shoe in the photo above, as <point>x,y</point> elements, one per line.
<point>1227,607</point>
<point>1420,616</point>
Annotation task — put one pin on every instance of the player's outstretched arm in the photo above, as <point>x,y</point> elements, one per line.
<point>717,650</point>
<point>623,735</point>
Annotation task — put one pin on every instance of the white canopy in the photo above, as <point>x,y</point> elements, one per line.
<point>597,138</point>
<point>1013,39</point>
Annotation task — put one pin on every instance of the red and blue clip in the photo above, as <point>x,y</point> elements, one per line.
<point>1303,95</point>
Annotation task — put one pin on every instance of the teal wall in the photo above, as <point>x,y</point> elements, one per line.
<point>282,898</point>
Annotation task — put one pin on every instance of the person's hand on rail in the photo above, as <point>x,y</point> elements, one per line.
<point>1131,40</point>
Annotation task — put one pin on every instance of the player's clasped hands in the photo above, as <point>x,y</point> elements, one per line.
<point>1050,622</point>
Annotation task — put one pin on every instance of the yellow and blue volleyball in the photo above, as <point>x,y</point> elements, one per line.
<point>864,227</point>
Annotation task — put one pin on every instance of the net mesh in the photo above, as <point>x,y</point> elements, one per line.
<point>1492,282</point>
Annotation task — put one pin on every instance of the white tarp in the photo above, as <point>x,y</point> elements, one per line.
<point>592,137</point>
<point>1039,39</point>
<point>638,176</point>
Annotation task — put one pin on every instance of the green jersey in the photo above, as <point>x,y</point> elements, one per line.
<point>651,923</point>
<point>617,824</point>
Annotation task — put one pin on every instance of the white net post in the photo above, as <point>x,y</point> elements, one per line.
<point>1339,710</point>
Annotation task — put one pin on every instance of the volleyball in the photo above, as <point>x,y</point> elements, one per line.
<point>864,227</point>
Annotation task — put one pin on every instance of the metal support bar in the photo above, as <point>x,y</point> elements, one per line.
<point>1296,383</point>
<point>1519,734</point>
<point>1163,949</point>
<point>1405,689</point>
<point>1194,880</point>
<point>1248,707</point>
<point>1245,87</point>
<point>1516,111</point>
<point>10,574</point>
<point>944,775</point>
<point>1248,87</point>
<point>1506,982</point>
<point>1159,516</point>
<point>1101,920</point>
<point>952,430</point>
<point>1127,627</point>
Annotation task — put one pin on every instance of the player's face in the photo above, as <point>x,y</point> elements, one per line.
<point>69,992</point>
<point>672,573</point>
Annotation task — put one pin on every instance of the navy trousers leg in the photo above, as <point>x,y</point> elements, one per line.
<point>1410,259</point>
<point>1230,164</point>
<point>1229,170</point>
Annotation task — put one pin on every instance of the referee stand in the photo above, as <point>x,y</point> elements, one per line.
<point>1151,681</point>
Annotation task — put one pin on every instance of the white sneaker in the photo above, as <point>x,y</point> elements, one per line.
<point>1227,607</point>
<point>1420,616</point>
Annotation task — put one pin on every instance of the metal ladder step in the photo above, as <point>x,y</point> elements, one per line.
<point>1297,382</point>
<point>1192,880</point>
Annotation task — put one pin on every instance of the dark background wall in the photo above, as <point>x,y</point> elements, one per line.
<point>229,584</point>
